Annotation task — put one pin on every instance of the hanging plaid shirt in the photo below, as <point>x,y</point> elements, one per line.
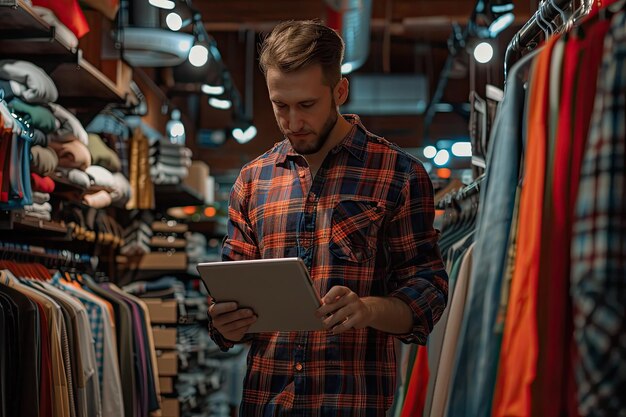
<point>365,222</point>
<point>599,235</point>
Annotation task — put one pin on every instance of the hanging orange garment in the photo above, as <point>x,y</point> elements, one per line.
<point>418,385</point>
<point>518,355</point>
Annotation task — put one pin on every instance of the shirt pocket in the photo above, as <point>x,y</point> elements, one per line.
<point>354,229</point>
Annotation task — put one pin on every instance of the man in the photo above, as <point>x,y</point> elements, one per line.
<point>359,212</point>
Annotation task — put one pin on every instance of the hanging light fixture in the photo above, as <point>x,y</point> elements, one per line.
<point>142,40</point>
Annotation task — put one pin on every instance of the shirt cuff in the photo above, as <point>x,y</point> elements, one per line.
<point>223,343</point>
<point>419,332</point>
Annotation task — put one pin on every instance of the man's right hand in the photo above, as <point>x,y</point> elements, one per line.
<point>231,321</point>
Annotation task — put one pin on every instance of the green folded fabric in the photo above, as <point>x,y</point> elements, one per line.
<point>40,117</point>
<point>102,155</point>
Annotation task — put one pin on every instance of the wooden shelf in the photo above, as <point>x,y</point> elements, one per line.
<point>82,87</point>
<point>81,84</point>
<point>24,34</point>
<point>26,225</point>
<point>176,195</point>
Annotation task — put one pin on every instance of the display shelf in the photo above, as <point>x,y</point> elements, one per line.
<point>81,84</point>
<point>24,35</point>
<point>64,185</point>
<point>25,226</point>
<point>176,195</point>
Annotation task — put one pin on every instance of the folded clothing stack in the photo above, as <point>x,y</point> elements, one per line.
<point>137,238</point>
<point>41,208</point>
<point>112,131</point>
<point>168,236</point>
<point>169,162</point>
<point>28,90</point>
<point>28,81</point>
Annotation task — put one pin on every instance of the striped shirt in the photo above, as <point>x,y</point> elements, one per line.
<point>365,221</point>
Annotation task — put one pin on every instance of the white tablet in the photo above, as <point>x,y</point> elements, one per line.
<point>280,292</point>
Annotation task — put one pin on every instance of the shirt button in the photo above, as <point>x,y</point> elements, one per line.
<point>299,367</point>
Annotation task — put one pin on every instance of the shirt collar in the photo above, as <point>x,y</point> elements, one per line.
<point>354,142</point>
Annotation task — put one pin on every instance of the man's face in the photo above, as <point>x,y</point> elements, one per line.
<point>304,107</point>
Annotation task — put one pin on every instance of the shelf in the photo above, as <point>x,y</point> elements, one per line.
<point>81,84</point>
<point>176,195</point>
<point>82,87</point>
<point>24,34</point>
<point>26,226</point>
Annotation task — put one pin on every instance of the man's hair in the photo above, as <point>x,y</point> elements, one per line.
<point>294,45</point>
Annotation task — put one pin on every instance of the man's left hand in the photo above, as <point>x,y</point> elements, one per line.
<point>343,310</point>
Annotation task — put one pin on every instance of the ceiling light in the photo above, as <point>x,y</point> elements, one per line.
<point>462,149</point>
<point>430,152</point>
<point>491,17</point>
<point>163,4</point>
<point>346,68</point>
<point>442,157</point>
<point>502,8</point>
<point>220,104</point>
<point>500,24</point>
<point>175,128</point>
<point>213,90</point>
<point>174,21</point>
<point>243,136</point>
<point>198,55</point>
<point>483,52</point>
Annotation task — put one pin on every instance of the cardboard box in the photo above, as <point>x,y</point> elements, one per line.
<point>166,383</point>
<point>162,311</point>
<point>170,407</point>
<point>168,363</point>
<point>197,177</point>
<point>167,261</point>
<point>164,337</point>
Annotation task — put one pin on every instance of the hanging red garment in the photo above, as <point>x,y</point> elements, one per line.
<point>69,13</point>
<point>554,391</point>
<point>415,400</point>
<point>518,355</point>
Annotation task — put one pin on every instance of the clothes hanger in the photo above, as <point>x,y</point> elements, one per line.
<point>565,19</point>
<point>542,22</point>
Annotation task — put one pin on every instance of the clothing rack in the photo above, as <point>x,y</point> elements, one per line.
<point>461,194</point>
<point>50,257</point>
<point>527,37</point>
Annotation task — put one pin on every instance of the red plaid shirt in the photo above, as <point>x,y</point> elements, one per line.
<point>366,223</point>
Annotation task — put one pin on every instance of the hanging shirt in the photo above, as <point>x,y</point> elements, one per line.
<point>364,222</point>
<point>599,232</point>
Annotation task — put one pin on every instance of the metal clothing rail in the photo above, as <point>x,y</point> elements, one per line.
<point>53,257</point>
<point>526,37</point>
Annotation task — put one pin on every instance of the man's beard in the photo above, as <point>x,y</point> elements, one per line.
<point>313,147</point>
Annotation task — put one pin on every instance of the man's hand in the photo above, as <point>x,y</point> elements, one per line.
<point>231,321</point>
<point>344,310</point>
